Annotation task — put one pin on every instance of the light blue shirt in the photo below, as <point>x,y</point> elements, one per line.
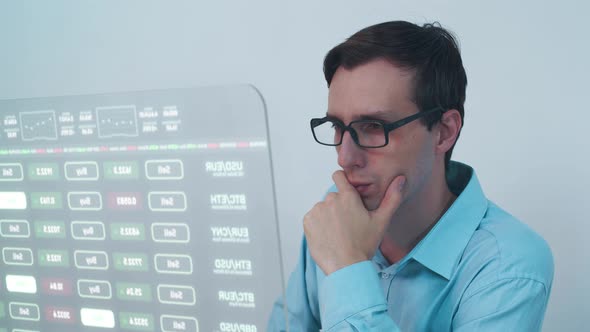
<point>478,269</point>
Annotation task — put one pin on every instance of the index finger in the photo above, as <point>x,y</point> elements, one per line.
<point>342,182</point>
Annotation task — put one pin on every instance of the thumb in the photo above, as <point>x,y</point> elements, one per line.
<point>390,202</point>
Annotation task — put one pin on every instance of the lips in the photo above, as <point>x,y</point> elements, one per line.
<point>361,188</point>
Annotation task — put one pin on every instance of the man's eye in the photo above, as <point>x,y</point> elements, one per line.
<point>336,127</point>
<point>370,126</point>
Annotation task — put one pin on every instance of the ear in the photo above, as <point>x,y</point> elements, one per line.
<point>448,130</point>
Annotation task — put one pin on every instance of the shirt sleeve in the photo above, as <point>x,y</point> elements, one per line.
<point>509,304</point>
<point>302,310</point>
<point>354,301</point>
<point>351,300</point>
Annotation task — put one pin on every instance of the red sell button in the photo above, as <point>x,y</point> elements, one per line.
<point>129,201</point>
<point>60,315</point>
<point>56,286</point>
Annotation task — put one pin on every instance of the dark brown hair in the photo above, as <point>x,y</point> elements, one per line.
<point>430,51</point>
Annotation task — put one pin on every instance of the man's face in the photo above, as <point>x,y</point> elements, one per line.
<point>380,90</point>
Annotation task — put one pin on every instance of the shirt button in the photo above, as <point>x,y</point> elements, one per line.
<point>385,275</point>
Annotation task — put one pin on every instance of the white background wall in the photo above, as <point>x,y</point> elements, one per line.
<point>527,101</point>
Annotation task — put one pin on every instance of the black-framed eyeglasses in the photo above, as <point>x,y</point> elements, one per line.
<point>365,133</point>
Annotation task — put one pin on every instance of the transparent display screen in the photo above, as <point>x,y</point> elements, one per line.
<point>141,211</point>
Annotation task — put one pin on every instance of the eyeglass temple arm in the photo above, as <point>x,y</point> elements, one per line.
<point>397,124</point>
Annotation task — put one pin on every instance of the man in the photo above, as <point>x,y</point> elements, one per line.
<point>407,240</point>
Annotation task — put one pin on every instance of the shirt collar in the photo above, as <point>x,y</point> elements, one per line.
<point>441,249</point>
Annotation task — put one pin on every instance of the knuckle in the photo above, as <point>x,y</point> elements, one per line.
<point>345,196</point>
<point>307,219</point>
<point>330,197</point>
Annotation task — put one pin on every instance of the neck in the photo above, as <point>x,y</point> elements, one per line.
<point>415,218</point>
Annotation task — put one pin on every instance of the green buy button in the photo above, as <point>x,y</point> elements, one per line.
<point>130,261</point>
<point>127,231</point>
<point>133,291</point>
<point>43,171</point>
<point>121,170</point>
<point>46,200</point>
<point>57,258</point>
<point>136,321</point>
<point>50,229</point>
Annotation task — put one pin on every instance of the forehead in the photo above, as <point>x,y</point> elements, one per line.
<point>377,88</point>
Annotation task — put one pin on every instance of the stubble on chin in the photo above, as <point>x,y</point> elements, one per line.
<point>370,203</point>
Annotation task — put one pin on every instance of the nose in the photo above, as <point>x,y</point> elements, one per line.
<point>350,155</point>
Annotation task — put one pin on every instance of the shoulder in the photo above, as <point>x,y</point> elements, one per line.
<point>503,247</point>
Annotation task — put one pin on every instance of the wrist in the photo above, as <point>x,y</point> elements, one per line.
<point>336,265</point>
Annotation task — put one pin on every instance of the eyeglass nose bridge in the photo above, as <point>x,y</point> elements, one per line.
<point>351,131</point>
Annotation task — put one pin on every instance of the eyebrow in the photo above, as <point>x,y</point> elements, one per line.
<point>387,115</point>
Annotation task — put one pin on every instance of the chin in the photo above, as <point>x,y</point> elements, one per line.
<point>371,203</point>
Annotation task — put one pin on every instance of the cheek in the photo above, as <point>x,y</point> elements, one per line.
<point>415,146</point>
<point>400,155</point>
<point>410,155</point>
<point>420,166</point>
<point>386,166</point>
